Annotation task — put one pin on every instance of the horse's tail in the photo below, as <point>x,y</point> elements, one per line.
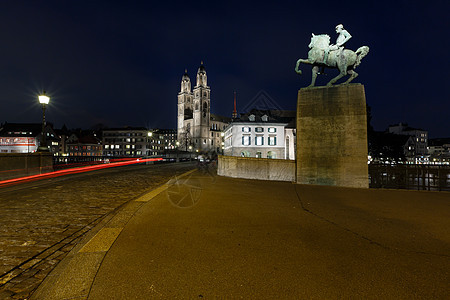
<point>361,52</point>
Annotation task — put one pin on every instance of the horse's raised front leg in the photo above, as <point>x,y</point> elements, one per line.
<point>315,70</point>
<point>305,61</point>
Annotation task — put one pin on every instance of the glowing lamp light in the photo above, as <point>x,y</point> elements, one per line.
<point>150,133</point>
<point>43,99</point>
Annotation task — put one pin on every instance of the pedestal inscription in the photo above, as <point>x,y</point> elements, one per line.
<point>332,136</point>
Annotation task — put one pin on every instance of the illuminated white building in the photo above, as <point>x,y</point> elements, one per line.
<point>262,134</point>
<point>26,138</point>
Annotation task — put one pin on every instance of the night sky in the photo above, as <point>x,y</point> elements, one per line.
<point>120,62</point>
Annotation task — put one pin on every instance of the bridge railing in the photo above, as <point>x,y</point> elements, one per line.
<point>411,177</point>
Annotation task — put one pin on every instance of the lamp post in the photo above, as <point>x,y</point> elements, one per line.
<point>43,100</point>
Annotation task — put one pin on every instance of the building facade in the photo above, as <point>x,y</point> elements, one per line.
<point>261,134</point>
<point>137,142</point>
<point>439,151</point>
<point>198,129</point>
<point>416,148</point>
<point>88,145</point>
<point>126,142</point>
<point>26,138</point>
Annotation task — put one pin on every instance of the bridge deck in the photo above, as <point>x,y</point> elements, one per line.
<point>239,238</point>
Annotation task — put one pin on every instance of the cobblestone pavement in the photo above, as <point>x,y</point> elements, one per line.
<point>41,222</point>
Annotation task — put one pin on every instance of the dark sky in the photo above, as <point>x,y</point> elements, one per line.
<point>120,62</point>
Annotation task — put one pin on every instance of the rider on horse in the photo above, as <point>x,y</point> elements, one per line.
<point>343,37</point>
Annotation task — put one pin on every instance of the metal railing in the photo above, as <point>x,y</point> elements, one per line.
<point>411,177</point>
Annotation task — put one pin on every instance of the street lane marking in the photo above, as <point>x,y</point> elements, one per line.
<point>102,241</point>
<point>152,194</point>
<point>149,196</point>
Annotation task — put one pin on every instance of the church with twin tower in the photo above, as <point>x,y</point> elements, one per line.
<point>198,129</point>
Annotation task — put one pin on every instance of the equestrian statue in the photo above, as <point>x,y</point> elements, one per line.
<point>322,54</point>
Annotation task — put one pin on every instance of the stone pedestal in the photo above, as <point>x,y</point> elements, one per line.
<point>332,136</point>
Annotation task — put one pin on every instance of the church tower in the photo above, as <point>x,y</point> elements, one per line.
<point>201,112</point>
<point>185,103</point>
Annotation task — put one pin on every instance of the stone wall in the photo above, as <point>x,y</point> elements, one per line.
<point>256,168</point>
<point>332,136</point>
<point>13,165</point>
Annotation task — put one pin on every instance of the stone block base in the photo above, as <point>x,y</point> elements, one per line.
<point>332,136</point>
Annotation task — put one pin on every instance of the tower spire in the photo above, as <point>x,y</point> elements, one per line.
<point>234,115</point>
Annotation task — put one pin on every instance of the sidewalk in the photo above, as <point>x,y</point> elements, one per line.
<point>205,237</point>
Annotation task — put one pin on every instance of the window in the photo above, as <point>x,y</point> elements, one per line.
<point>259,140</point>
<point>272,140</point>
<point>258,155</point>
<point>271,154</point>
<point>272,129</point>
<point>246,140</point>
<point>259,129</point>
<point>246,129</point>
<point>245,154</point>
<point>205,109</point>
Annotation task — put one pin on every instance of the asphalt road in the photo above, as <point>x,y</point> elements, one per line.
<point>41,221</point>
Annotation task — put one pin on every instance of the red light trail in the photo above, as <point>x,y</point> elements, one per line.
<point>115,163</point>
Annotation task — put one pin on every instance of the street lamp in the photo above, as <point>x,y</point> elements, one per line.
<point>43,100</point>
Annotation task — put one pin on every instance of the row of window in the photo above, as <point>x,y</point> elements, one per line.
<point>270,154</point>
<point>128,140</point>
<point>84,154</point>
<point>116,153</point>
<point>259,129</point>
<point>259,141</point>
<point>85,147</point>
<point>124,134</point>
<point>133,147</point>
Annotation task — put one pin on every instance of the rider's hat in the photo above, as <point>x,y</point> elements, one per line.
<point>340,26</point>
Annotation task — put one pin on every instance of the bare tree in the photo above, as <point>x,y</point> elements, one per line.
<point>185,138</point>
